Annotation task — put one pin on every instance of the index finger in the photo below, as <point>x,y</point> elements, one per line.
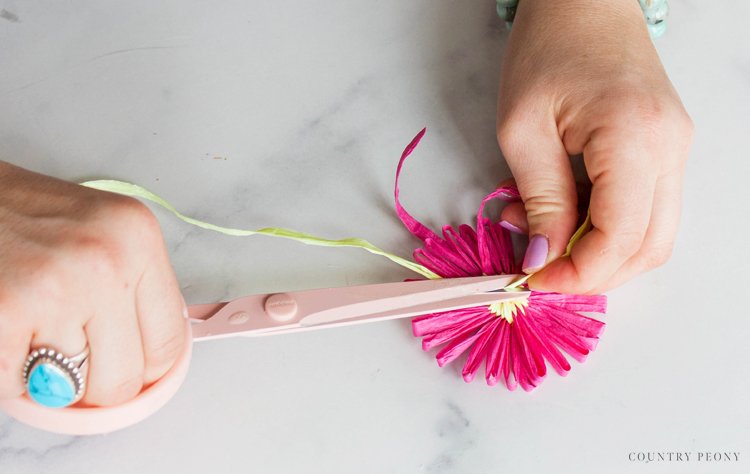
<point>621,204</point>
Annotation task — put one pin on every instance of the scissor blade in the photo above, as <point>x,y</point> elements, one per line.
<point>411,305</point>
<point>485,299</point>
<point>354,302</point>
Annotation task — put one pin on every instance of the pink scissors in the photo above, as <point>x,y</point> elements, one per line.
<point>268,314</point>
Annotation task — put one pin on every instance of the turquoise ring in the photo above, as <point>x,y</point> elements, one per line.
<point>53,379</point>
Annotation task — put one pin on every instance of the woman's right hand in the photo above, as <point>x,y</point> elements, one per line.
<point>77,267</point>
<point>582,77</point>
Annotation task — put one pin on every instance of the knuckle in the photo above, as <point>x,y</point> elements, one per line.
<point>651,113</point>
<point>163,354</point>
<point>645,114</point>
<point>685,129</point>
<point>115,393</point>
<point>136,216</point>
<point>104,248</point>
<point>657,256</point>
<point>627,102</point>
<point>98,256</point>
<point>625,243</point>
<point>686,124</point>
<point>653,117</point>
<point>510,132</point>
<point>96,249</point>
<point>12,306</point>
<point>545,209</point>
<point>44,276</point>
<point>11,385</point>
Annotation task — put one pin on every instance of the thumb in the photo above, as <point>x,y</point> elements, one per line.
<point>541,167</point>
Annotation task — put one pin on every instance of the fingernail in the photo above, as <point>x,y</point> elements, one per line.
<point>185,313</point>
<point>536,254</point>
<point>515,229</point>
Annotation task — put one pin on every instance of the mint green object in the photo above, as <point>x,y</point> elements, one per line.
<point>503,12</point>
<point>655,13</point>
<point>657,30</point>
<point>506,9</point>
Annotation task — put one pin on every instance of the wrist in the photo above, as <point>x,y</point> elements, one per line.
<point>594,25</point>
<point>588,14</point>
<point>580,11</point>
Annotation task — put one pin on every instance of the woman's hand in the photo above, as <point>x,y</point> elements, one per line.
<point>81,266</point>
<point>582,77</point>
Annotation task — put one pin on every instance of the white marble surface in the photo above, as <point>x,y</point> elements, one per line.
<point>294,113</point>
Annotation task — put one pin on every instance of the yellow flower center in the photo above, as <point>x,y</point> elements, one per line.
<point>508,308</point>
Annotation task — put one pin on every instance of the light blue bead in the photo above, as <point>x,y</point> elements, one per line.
<point>506,9</point>
<point>658,11</point>
<point>503,12</point>
<point>658,29</point>
<point>50,386</point>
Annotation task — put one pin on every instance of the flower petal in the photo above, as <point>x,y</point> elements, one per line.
<point>485,338</point>
<point>437,322</point>
<point>469,258</point>
<point>462,342</point>
<point>585,303</point>
<point>439,338</point>
<point>497,354</point>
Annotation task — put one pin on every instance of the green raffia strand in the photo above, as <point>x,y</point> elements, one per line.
<point>133,190</point>
<point>585,227</point>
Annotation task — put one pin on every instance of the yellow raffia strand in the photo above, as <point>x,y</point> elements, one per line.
<point>585,227</point>
<point>507,308</point>
<point>133,190</point>
<point>514,285</point>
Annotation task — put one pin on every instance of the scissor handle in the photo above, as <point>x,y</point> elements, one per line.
<point>98,420</point>
<point>283,311</point>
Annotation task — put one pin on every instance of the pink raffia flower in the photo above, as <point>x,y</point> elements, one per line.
<point>515,339</point>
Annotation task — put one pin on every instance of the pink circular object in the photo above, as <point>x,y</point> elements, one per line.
<point>280,307</point>
<point>97,420</point>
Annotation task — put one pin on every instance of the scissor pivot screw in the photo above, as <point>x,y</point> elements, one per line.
<point>280,307</point>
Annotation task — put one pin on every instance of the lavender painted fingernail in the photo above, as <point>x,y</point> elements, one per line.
<point>536,253</point>
<point>515,229</point>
